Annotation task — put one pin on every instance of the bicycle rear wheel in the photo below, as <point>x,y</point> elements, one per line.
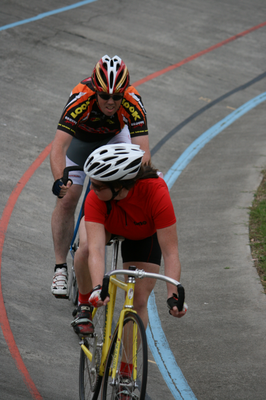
<point>74,289</point>
<point>89,378</point>
<point>125,383</point>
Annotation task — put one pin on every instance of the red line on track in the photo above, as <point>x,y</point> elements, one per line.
<point>8,335</point>
<point>4,322</point>
<point>201,53</point>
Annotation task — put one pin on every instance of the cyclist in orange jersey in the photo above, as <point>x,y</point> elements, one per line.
<point>101,109</point>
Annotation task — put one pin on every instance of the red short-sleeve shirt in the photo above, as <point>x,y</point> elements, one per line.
<point>146,208</point>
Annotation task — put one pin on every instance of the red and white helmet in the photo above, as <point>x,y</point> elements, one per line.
<point>110,75</point>
<point>114,162</point>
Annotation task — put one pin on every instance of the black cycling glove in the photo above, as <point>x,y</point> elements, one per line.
<point>57,187</point>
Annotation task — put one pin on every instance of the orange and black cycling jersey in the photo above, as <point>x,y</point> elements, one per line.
<point>83,119</point>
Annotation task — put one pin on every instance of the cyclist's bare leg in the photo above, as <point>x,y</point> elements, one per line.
<point>81,260</point>
<point>63,222</point>
<point>143,289</point>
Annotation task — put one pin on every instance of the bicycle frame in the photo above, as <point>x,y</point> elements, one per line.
<point>128,304</point>
<point>80,215</point>
<point>128,287</point>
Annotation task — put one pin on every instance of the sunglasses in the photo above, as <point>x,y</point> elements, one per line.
<point>115,97</point>
<point>98,188</point>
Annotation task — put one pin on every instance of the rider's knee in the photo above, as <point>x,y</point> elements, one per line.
<point>140,301</point>
<point>81,257</point>
<point>83,248</point>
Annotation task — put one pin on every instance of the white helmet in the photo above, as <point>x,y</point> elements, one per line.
<point>114,161</point>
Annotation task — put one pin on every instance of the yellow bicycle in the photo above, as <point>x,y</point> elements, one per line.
<point>117,361</point>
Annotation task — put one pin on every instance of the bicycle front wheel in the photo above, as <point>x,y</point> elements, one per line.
<point>89,378</point>
<point>132,368</point>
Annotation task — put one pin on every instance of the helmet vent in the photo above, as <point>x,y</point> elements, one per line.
<point>94,165</point>
<point>133,163</point>
<point>103,76</point>
<point>89,160</point>
<point>111,79</point>
<point>101,170</point>
<point>109,158</point>
<point>119,151</point>
<point>121,161</point>
<point>110,173</point>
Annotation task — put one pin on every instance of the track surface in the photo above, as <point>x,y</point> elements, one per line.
<point>194,64</point>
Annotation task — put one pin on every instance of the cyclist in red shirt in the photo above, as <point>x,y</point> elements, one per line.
<point>101,109</point>
<point>127,199</point>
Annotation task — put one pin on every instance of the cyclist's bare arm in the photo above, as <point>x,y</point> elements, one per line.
<point>168,241</point>
<point>143,142</point>
<point>59,148</point>
<point>96,239</point>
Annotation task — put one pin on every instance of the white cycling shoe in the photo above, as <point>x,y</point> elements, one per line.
<point>59,285</point>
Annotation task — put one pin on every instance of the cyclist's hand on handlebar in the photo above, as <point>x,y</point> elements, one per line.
<point>95,297</point>
<point>59,189</point>
<point>65,188</point>
<point>178,314</point>
<point>61,186</point>
<point>174,307</point>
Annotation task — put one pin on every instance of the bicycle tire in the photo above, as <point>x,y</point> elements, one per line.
<point>134,389</point>
<point>74,289</point>
<point>72,281</point>
<point>89,379</point>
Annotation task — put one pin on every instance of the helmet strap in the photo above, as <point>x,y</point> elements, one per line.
<point>114,192</point>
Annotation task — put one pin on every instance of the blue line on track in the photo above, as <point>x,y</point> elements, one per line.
<point>46,14</point>
<point>156,338</point>
<point>173,173</point>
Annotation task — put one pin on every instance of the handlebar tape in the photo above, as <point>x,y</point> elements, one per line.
<point>67,170</point>
<point>104,292</point>
<point>178,300</point>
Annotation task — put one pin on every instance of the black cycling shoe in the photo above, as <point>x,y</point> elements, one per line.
<point>82,324</point>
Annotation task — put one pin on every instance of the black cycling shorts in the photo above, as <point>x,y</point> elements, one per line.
<point>145,250</point>
<point>79,151</point>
